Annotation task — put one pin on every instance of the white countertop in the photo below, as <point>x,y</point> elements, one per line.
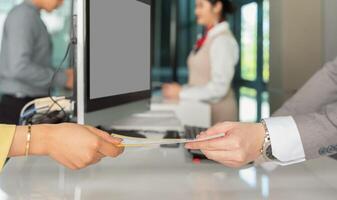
<point>164,174</point>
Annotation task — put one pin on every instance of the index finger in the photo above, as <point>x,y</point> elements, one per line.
<point>109,149</point>
<point>105,136</point>
<point>219,144</point>
<point>219,128</point>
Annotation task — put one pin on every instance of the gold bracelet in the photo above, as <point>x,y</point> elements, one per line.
<point>28,139</point>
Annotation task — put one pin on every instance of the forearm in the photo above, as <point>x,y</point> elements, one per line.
<point>37,144</point>
<point>319,132</point>
<point>209,92</point>
<point>31,73</point>
<point>304,137</point>
<point>72,145</point>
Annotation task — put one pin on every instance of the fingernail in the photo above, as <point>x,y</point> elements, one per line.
<point>118,140</point>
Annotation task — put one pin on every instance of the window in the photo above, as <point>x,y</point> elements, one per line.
<point>249,42</point>
<point>175,34</point>
<point>248,105</point>
<point>252,31</point>
<point>266,41</point>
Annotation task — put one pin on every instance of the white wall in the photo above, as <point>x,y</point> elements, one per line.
<point>296,45</point>
<point>303,37</point>
<point>330,29</point>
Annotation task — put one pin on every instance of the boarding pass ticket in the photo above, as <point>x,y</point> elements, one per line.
<point>142,142</point>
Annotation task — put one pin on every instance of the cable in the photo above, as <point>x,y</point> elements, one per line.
<point>34,115</point>
<point>72,42</point>
<point>53,79</point>
<point>26,106</point>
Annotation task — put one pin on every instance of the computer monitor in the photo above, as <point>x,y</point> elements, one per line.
<point>113,59</point>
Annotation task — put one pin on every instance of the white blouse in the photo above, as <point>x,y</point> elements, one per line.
<point>224,56</point>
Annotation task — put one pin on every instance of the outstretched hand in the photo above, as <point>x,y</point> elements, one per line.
<point>241,145</point>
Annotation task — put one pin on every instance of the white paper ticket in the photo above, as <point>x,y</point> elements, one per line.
<point>142,142</point>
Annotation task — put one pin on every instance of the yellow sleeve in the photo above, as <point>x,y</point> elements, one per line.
<point>6,136</point>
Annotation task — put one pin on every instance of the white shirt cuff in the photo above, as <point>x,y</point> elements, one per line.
<point>285,139</point>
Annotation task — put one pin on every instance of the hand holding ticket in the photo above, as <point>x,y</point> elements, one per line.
<point>141,142</point>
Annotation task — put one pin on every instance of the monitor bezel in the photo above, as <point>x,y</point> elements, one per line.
<point>91,105</point>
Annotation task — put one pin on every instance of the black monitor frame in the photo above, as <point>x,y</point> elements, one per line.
<point>92,105</point>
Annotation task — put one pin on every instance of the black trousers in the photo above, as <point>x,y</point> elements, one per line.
<point>10,108</point>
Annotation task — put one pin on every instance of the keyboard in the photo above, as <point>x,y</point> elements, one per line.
<point>171,135</point>
<point>191,132</point>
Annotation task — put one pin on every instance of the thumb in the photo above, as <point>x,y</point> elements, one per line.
<point>105,136</point>
<point>108,149</point>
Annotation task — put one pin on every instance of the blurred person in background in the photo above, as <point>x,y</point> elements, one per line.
<point>211,63</point>
<point>26,70</point>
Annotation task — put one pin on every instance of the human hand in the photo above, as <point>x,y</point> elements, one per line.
<point>78,146</point>
<point>70,78</point>
<point>171,91</point>
<point>72,145</point>
<point>241,145</point>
